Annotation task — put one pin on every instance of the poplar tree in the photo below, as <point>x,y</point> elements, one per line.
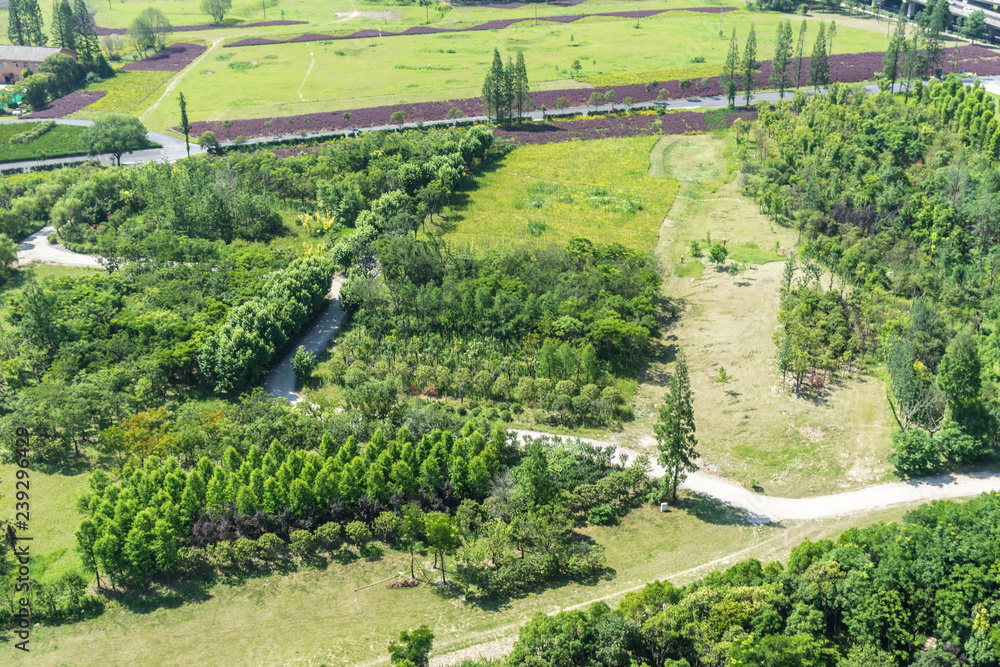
<point>749,64</point>
<point>890,61</point>
<point>32,22</point>
<point>186,129</point>
<point>829,37</point>
<point>782,56</point>
<point>493,89</point>
<point>729,71</point>
<point>507,90</point>
<point>799,50</point>
<point>675,430</point>
<point>15,22</point>
<point>819,65</point>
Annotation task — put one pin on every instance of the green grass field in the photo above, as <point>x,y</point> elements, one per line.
<point>547,194</point>
<point>127,93</point>
<point>60,140</point>
<point>316,76</point>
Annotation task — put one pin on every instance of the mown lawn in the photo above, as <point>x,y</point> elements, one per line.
<point>601,190</point>
<point>60,140</point>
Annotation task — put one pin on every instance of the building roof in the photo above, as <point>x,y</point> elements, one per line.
<point>30,53</point>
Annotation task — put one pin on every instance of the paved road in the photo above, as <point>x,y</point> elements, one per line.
<point>37,250</point>
<point>280,380</point>
<point>760,508</point>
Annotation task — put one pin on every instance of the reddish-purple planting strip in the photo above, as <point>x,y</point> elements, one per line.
<point>844,68</point>
<point>191,28</point>
<point>497,24</point>
<point>173,58</point>
<point>66,104</point>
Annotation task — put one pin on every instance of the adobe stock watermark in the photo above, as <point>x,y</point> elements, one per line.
<point>20,542</point>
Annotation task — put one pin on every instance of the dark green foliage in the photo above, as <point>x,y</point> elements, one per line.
<point>413,648</point>
<point>870,599</point>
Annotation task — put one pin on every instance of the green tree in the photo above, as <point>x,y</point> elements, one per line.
<point>959,374</point>
<point>830,34</point>
<point>749,64</point>
<point>675,430</point>
<point>800,49</point>
<point>115,135</point>
<point>730,71</point>
<point>782,57</point>
<point>717,253</point>
<point>15,22</point>
<point>493,89</point>
<point>397,118</point>
<point>185,124</point>
<point>413,648</point>
<point>63,24</point>
<point>208,143</point>
<point>974,27</point>
<point>303,364</point>
<point>88,47</point>
<point>535,476</point>
<point>897,47</point>
<point>216,9</point>
<point>32,23</point>
<point>522,101</point>
<point>932,23</point>
<point>442,537</point>
<point>148,31</point>
<point>412,530</point>
<point>819,63</point>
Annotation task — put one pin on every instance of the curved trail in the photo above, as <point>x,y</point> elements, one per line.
<point>37,250</point>
<point>761,508</point>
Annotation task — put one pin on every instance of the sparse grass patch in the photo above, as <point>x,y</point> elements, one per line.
<point>127,91</point>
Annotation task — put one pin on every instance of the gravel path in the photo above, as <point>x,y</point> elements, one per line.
<point>37,250</point>
<point>760,508</point>
<point>280,381</point>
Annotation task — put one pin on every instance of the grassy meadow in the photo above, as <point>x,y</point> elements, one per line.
<point>549,193</point>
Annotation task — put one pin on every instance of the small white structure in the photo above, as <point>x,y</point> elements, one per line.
<point>664,507</point>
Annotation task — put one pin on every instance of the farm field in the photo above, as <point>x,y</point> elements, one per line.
<point>547,194</point>
<point>287,79</point>
<point>749,428</point>
<point>324,616</point>
<point>60,140</point>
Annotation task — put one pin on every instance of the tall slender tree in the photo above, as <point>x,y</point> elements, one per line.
<point>799,52</point>
<point>185,125</point>
<point>831,33</point>
<point>15,22</point>
<point>819,64</point>
<point>31,20</point>
<point>891,59</point>
<point>935,19</point>
<point>749,64</point>
<point>63,25</point>
<point>521,99</point>
<point>782,56</point>
<point>675,430</point>
<point>730,71</point>
<point>507,90</point>
<point>87,45</point>
<point>493,89</point>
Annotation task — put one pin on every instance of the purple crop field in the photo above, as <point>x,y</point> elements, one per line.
<point>191,28</point>
<point>174,58</point>
<point>844,68</point>
<point>497,24</point>
<point>66,105</point>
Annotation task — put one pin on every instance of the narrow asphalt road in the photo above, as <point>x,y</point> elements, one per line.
<point>280,380</point>
<point>760,509</point>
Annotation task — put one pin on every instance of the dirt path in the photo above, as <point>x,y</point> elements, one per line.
<point>280,381</point>
<point>37,250</point>
<point>760,508</point>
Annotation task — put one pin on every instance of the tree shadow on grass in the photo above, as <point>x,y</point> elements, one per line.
<point>715,512</point>
<point>163,597</point>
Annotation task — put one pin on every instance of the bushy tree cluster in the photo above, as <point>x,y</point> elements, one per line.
<point>253,333</point>
<point>897,200</point>
<point>872,598</point>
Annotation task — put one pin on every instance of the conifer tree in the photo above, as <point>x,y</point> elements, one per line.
<point>749,64</point>
<point>782,56</point>
<point>63,25</point>
<point>186,129</point>
<point>730,74</point>
<point>819,64</point>
<point>87,45</point>
<point>15,22</point>
<point>890,61</point>
<point>521,99</point>
<point>675,430</point>
<point>31,20</point>
<point>831,33</point>
<point>799,51</point>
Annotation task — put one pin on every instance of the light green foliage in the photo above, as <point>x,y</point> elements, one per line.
<point>115,135</point>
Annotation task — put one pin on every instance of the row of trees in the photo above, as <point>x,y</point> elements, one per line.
<point>506,90</point>
<point>73,28</point>
<point>740,72</point>
<point>25,23</point>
